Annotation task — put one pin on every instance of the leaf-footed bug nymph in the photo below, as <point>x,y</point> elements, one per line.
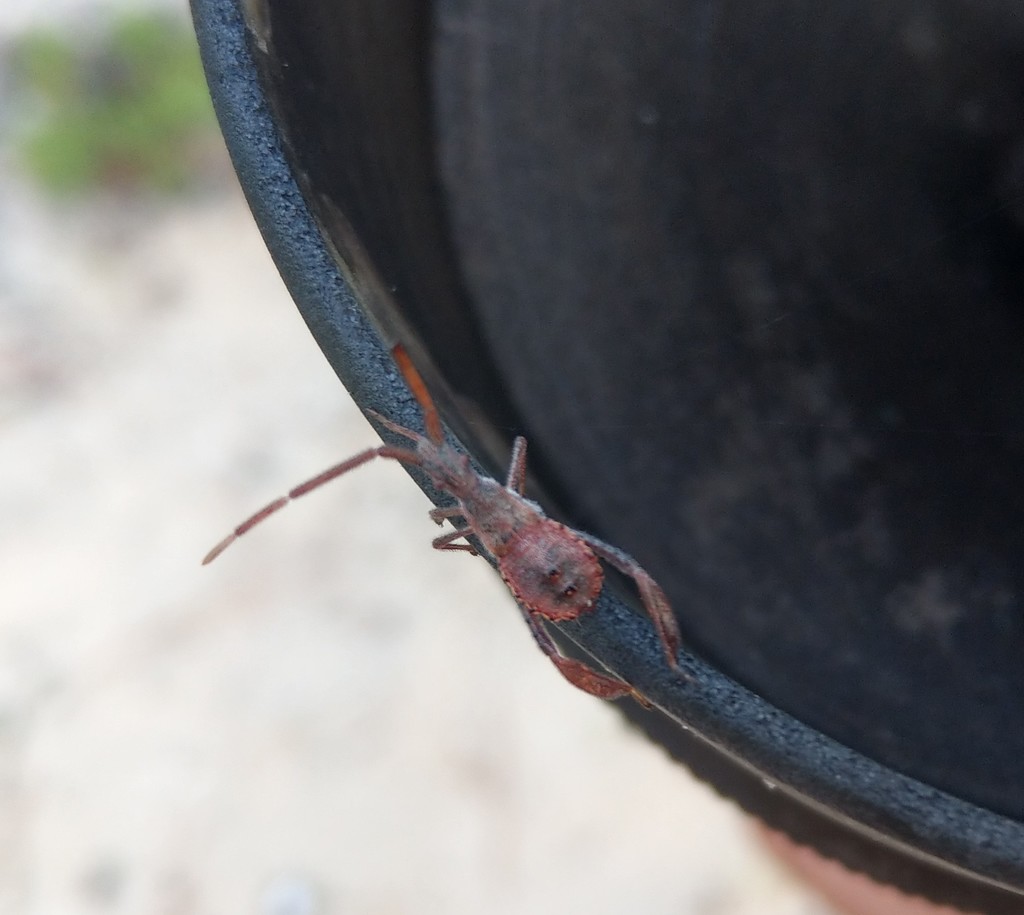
<point>553,571</point>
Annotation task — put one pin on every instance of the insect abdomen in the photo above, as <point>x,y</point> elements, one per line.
<point>550,570</point>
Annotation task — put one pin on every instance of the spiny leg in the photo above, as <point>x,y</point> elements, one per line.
<point>654,599</point>
<point>576,672</point>
<point>357,460</point>
<point>517,466</point>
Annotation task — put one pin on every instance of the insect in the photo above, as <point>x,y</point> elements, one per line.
<point>553,571</point>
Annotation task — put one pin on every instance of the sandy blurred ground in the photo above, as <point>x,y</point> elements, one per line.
<point>333,718</point>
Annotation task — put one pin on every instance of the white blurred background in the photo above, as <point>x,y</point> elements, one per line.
<point>332,718</point>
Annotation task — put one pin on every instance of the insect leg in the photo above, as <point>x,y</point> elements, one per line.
<point>438,515</point>
<point>654,599</point>
<point>517,466</point>
<point>444,542</point>
<point>576,672</point>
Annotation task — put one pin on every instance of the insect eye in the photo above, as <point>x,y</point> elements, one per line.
<point>569,590</point>
<point>554,573</point>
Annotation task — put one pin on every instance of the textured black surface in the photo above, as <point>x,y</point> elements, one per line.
<point>752,287</point>
<point>750,282</point>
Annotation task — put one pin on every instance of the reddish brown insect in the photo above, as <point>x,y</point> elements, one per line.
<point>554,572</point>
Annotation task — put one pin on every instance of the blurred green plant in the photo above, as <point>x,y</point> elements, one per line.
<point>125,107</point>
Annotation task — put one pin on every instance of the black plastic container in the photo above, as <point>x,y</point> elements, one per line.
<point>750,278</point>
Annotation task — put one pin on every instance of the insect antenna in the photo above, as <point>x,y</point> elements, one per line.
<point>385,451</point>
<point>394,427</point>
